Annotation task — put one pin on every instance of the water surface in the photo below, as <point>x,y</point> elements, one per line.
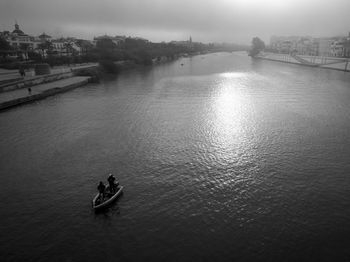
<point>223,159</point>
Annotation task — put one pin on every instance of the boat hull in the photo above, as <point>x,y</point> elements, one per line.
<point>108,201</point>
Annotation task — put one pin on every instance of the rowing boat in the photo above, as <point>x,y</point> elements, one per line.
<point>108,199</point>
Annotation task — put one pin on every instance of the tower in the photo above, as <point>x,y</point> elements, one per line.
<point>17,30</point>
<point>16,25</point>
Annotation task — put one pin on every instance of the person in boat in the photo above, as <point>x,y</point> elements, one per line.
<point>101,189</point>
<point>111,181</point>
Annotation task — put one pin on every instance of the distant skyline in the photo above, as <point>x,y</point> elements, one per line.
<point>164,20</point>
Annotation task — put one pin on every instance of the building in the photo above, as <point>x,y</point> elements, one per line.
<point>66,46</point>
<point>44,37</point>
<point>19,41</point>
<point>324,46</point>
<point>284,44</point>
<point>346,45</point>
<point>187,43</point>
<point>139,39</point>
<point>58,46</point>
<point>306,46</point>
<point>346,52</point>
<point>337,48</point>
<point>84,45</point>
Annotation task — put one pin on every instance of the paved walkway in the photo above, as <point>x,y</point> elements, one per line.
<point>23,92</point>
<point>314,59</point>
<point>281,57</point>
<point>8,72</point>
<point>14,74</point>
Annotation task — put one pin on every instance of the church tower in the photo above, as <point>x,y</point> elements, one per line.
<point>17,30</point>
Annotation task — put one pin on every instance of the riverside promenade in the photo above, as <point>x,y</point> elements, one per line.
<point>13,74</point>
<point>16,90</point>
<point>20,96</point>
<point>334,63</point>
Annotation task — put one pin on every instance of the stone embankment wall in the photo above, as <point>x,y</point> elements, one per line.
<point>60,88</point>
<point>42,79</point>
<point>36,80</point>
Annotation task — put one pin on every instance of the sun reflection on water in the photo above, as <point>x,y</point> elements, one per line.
<point>231,111</point>
<point>231,117</point>
<point>233,75</point>
<point>229,105</point>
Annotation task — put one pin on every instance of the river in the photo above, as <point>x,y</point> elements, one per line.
<point>223,158</point>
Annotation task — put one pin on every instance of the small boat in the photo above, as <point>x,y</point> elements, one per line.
<point>109,197</point>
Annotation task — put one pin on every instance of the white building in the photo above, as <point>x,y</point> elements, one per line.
<point>324,46</point>
<point>187,43</point>
<point>337,48</point>
<point>65,47</point>
<point>284,44</point>
<point>330,46</point>
<point>19,41</point>
<point>306,46</point>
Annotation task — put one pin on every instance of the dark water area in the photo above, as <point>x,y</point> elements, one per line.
<point>223,159</point>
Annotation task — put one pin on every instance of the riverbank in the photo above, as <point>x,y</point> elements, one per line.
<point>38,92</point>
<point>11,80</point>
<point>334,63</point>
<point>15,93</point>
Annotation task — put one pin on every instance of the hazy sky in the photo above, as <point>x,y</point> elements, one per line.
<point>205,20</point>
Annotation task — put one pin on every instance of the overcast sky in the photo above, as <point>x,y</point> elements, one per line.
<point>164,20</point>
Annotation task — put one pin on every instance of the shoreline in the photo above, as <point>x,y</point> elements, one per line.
<point>16,93</point>
<point>41,92</point>
<point>289,60</point>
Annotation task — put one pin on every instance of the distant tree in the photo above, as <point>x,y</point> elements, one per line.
<point>143,57</point>
<point>86,46</point>
<point>109,66</point>
<point>34,56</point>
<point>105,44</point>
<point>257,46</point>
<point>132,43</point>
<point>4,45</point>
<point>68,46</point>
<point>69,51</point>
